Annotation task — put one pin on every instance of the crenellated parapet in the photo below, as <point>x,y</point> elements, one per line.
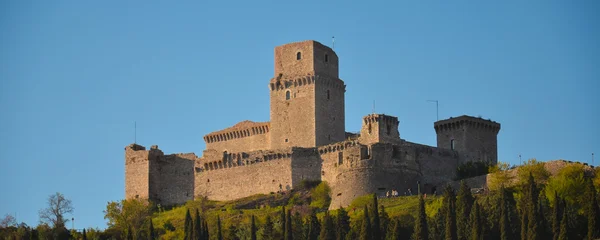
<point>240,130</point>
<point>239,159</point>
<point>336,147</point>
<point>278,84</point>
<point>452,124</point>
<point>381,118</point>
<point>379,128</point>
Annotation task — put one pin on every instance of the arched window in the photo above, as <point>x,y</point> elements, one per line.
<point>369,128</point>
<point>298,56</point>
<point>327,94</point>
<point>326,58</point>
<point>452,144</point>
<point>388,129</point>
<point>287,95</point>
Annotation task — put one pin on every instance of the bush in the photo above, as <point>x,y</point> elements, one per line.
<point>472,169</point>
<point>536,168</point>
<point>321,196</point>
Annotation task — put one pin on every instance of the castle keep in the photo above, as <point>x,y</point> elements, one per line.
<point>306,139</point>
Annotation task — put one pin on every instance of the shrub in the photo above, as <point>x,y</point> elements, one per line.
<point>321,196</point>
<point>472,169</point>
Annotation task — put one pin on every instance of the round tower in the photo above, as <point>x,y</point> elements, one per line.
<point>474,137</point>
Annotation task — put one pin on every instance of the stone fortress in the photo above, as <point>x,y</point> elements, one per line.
<point>306,139</point>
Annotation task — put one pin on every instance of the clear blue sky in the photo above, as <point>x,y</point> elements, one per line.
<point>75,75</point>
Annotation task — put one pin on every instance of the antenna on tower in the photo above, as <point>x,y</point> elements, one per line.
<point>332,42</point>
<point>135,132</point>
<point>373,107</point>
<point>437,110</point>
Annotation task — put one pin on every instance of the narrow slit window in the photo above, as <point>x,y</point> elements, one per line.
<point>327,94</point>
<point>452,144</point>
<point>287,95</point>
<point>298,56</point>
<point>326,58</point>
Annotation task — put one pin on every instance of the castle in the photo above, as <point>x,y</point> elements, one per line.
<point>306,139</point>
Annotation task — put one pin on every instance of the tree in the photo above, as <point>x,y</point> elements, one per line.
<point>535,224</point>
<point>151,232</point>
<point>376,226</point>
<point>327,229</point>
<point>205,229</point>
<point>219,231</point>
<point>8,221</point>
<point>188,226</point>
<point>342,225</point>
<point>450,199</point>
<point>84,235</point>
<point>365,232</point>
<point>54,214</point>
<point>564,227</point>
<point>592,212</point>
<point>421,229</point>
<point>524,221</point>
<point>231,232</point>
<point>384,219</point>
<point>464,203</point>
<point>476,224</point>
<point>505,228</point>
<point>198,234</point>
<point>132,213</point>
<point>253,229</point>
<point>282,222</point>
<point>314,228</point>
<point>298,227</point>
<point>267,233</point>
<point>499,176</point>
<point>556,221</point>
<point>289,235</point>
<point>129,235</point>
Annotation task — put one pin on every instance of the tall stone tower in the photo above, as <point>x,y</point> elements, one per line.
<point>474,137</point>
<point>307,96</point>
<point>379,128</point>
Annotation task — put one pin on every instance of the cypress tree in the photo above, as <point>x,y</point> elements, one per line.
<point>231,232</point>
<point>384,219</point>
<point>267,233</point>
<point>197,226</point>
<point>151,233</point>
<point>129,235</point>
<point>396,231</point>
<point>421,229</point>
<point>564,226</point>
<point>533,228</point>
<point>556,217</point>
<point>282,216</point>
<point>592,212</point>
<point>376,226</point>
<point>450,198</point>
<point>253,229</point>
<point>476,224</point>
<point>187,226</point>
<point>524,222</point>
<point>327,229</point>
<point>365,232</point>
<point>342,224</point>
<point>219,231</point>
<point>505,228</point>
<point>464,203</point>
<point>84,235</point>
<point>206,234</point>
<point>314,227</point>
<point>298,227</point>
<point>288,226</point>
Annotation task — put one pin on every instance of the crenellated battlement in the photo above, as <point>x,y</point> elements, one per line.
<point>452,124</point>
<point>381,118</point>
<point>277,84</point>
<point>336,147</point>
<point>230,160</point>
<point>240,130</point>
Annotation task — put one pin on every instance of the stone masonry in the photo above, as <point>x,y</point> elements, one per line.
<point>306,139</point>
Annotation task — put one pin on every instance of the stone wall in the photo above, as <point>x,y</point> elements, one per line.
<point>329,110</point>
<point>243,174</point>
<point>293,119</point>
<point>243,137</point>
<point>379,128</point>
<point>176,185</point>
<point>137,169</point>
<point>472,135</point>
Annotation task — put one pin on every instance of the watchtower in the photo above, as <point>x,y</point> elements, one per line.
<point>475,137</point>
<point>307,96</point>
<point>379,128</point>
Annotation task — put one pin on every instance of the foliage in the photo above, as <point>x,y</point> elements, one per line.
<point>464,202</point>
<point>365,231</point>
<point>592,212</point>
<point>342,224</point>
<point>327,228</point>
<point>499,176</point>
<point>375,221</point>
<point>321,196</point>
<point>421,229</point>
<point>568,183</point>
<point>535,168</point>
<point>54,214</point>
<point>471,169</point>
<point>126,214</point>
